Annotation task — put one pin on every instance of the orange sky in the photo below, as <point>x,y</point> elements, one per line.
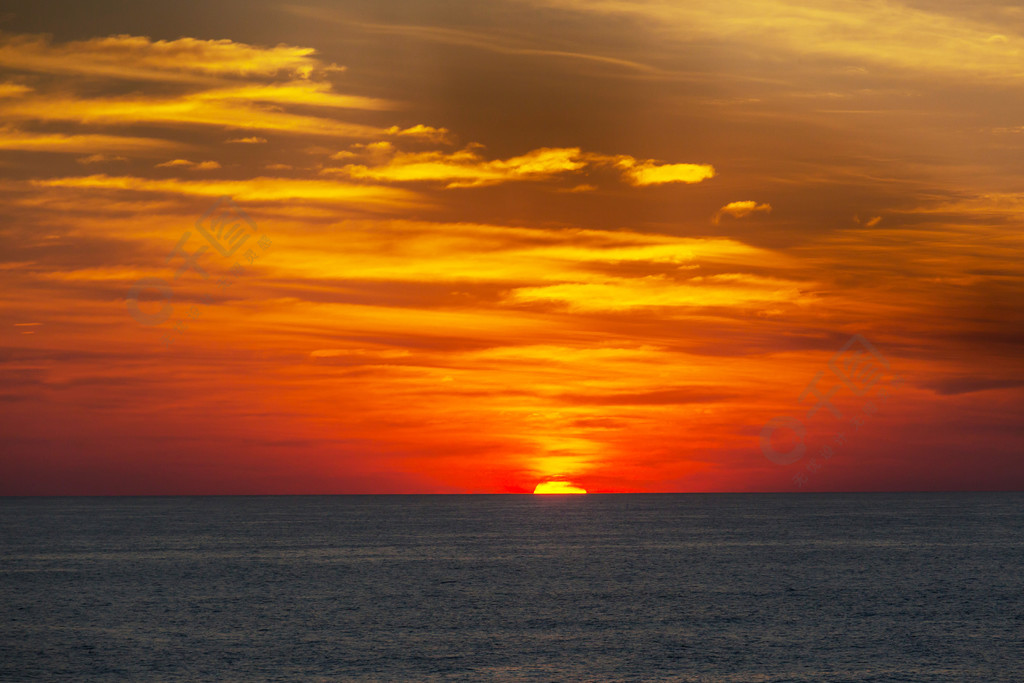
<point>497,244</point>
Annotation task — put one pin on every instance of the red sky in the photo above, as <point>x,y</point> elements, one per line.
<point>489,245</point>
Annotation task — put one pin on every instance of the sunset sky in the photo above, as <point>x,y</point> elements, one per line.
<point>496,244</point>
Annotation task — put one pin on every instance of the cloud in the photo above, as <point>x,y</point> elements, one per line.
<point>13,90</point>
<point>954,386</point>
<point>203,83</point>
<point>229,109</point>
<point>650,173</point>
<point>869,223</point>
<point>251,189</point>
<point>676,396</point>
<point>507,258</point>
<point>488,41</point>
<point>939,40</point>
<point>659,291</point>
<point>385,354</point>
<point>11,138</point>
<point>138,57</point>
<point>99,159</point>
<point>295,92</point>
<point>436,135</point>
<point>247,141</point>
<point>468,168</point>
<point>741,209</point>
<point>201,166</point>
<point>175,162</point>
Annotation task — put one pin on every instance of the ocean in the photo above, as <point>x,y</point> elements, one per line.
<point>645,587</point>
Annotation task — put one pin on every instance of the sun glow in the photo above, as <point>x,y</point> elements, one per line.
<point>557,487</point>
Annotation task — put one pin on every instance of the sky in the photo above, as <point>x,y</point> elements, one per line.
<point>436,246</point>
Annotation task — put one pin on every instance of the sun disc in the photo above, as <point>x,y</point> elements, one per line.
<point>557,487</point>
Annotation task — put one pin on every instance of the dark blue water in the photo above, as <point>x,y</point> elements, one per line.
<point>745,587</point>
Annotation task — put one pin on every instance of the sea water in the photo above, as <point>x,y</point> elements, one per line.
<point>648,587</point>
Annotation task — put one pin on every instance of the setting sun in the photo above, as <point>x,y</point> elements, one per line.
<point>557,487</point>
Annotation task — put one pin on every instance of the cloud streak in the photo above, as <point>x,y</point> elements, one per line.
<point>468,167</point>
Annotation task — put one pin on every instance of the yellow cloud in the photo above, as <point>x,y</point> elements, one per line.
<point>296,92</point>
<point>467,168</point>
<point>11,138</point>
<point>252,189</point>
<point>437,135</point>
<point>406,251</point>
<point>741,209</point>
<point>247,141</point>
<point>622,294</point>
<point>201,166</point>
<point>136,57</point>
<point>202,86</point>
<point>651,173</point>
<point>175,162</point>
<point>195,109</point>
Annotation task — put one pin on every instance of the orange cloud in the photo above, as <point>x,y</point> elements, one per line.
<point>13,89</point>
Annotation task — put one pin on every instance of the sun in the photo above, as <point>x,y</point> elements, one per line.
<point>557,487</point>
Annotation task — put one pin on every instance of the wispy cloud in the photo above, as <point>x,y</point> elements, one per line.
<point>913,39</point>
<point>212,83</point>
<point>489,42</point>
